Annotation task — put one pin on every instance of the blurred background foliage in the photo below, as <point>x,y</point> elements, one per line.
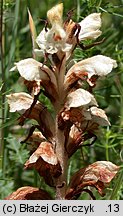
<point>15,44</point>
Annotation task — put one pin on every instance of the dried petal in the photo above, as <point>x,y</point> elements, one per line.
<point>99,116</point>
<point>22,102</point>
<point>80,97</point>
<point>45,151</point>
<point>34,141</point>
<point>45,161</point>
<point>29,193</point>
<point>49,91</point>
<point>97,65</point>
<point>74,115</point>
<point>83,118</point>
<point>32,86</point>
<point>44,119</point>
<point>74,141</point>
<point>94,117</point>
<point>90,27</point>
<point>97,175</point>
<point>70,29</point>
<point>55,14</point>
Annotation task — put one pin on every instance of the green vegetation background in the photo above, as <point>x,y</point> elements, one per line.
<point>16,45</point>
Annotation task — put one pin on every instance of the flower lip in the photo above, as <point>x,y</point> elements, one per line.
<point>98,65</point>
<point>61,36</point>
<point>90,27</point>
<point>19,101</point>
<point>52,41</point>
<point>80,97</point>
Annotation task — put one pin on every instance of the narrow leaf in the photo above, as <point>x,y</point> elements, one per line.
<point>33,32</point>
<point>117,186</point>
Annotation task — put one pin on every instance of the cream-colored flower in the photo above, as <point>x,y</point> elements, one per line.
<point>80,97</point>
<point>90,27</point>
<point>53,40</point>
<point>98,65</point>
<point>32,70</point>
<point>63,37</point>
<point>35,75</point>
<point>19,101</point>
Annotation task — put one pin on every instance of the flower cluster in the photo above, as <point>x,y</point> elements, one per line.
<point>77,116</point>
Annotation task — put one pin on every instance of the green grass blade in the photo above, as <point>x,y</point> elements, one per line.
<point>117,186</point>
<point>14,30</point>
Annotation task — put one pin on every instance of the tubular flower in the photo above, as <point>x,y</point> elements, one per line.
<point>90,27</point>
<point>63,36</point>
<point>98,65</point>
<point>54,39</point>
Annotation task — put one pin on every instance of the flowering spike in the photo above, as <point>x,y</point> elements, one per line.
<point>75,116</point>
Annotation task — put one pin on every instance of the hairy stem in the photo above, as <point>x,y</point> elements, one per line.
<point>61,153</point>
<point>61,182</point>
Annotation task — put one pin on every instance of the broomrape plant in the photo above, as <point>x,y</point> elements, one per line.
<point>77,116</point>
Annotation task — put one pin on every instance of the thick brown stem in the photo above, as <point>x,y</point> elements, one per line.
<point>61,182</point>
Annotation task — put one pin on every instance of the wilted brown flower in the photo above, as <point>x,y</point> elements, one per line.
<point>97,175</point>
<point>29,193</point>
<point>45,161</point>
